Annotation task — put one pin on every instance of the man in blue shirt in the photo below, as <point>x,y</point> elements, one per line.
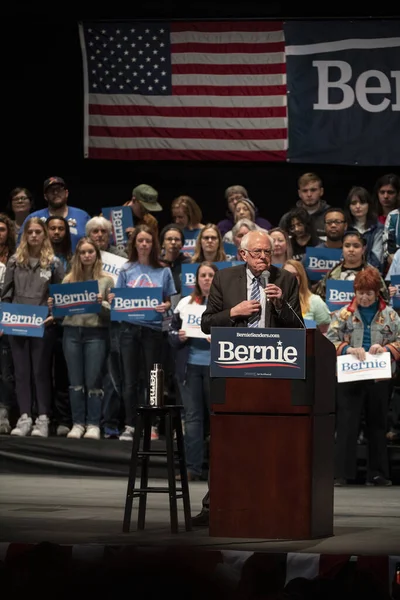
<point>56,194</point>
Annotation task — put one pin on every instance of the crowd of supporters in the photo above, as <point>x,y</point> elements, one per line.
<point>87,374</point>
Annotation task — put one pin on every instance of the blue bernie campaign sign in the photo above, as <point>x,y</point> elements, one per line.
<point>23,319</point>
<point>136,304</point>
<point>75,298</point>
<point>319,261</point>
<point>230,250</point>
<point>246,352</point>
<point>395,281</point>
<point>188,274</point>
<point>190,242</point>
<point>338,293</point>
<point>121,218</point>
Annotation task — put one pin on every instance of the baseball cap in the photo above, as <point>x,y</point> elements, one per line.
<point>53,181</point>
<point>147,196</point>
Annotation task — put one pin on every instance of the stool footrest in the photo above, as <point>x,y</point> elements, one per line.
<point>154,453</point>
<point>159,490</point>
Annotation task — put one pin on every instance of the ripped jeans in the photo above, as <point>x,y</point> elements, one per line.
<point>85,351</point>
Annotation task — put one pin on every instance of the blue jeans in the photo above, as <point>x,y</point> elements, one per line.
<point>196,400</point>
<point>85,350</point>
<point>141,347</point>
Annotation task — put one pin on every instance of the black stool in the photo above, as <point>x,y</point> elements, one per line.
<point>144,417</point>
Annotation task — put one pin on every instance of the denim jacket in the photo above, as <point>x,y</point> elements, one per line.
<point>347,328</point>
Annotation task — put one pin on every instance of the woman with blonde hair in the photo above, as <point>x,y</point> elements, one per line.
<point>282,248</point>
<point>312,306</point>
<point>85,343</point>
<point>187,214</point>
<point>209,246</point>
<point>29,273</point>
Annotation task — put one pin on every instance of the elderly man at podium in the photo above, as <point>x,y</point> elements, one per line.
<point>254,294</point>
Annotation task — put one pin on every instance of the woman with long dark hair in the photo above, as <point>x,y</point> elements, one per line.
<point>28,276</point>
<point>141,342</point>
<point>300,227</point>
<point>360,216</point>
<point>192,368</point>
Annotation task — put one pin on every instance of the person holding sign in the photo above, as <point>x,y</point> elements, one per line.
<point>29,273</point>
<point>192,365</point>
<point>367,324</point>
<point>141,342</point>
<point>85,344</point>
<point>353,262</point>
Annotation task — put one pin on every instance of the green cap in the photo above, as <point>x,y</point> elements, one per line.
<point>147,196</point>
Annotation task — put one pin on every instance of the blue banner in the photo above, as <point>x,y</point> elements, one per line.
<point>318,261</point>
<point>231,251</point>
<point>136,304</point>
<point>190,242</point>
<point>343,91</point>
<point>245,352</point>
<point>23,319</point>
<point>338,293</point>
<point>121,218</point>
<point>395,281</point>
<point>75,298</point>
<point>188,274</point>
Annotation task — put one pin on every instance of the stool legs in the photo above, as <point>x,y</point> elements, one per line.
<point>145,472</point>
<point>173,509</point>
<point>132,477</point>
<point>183,473</point>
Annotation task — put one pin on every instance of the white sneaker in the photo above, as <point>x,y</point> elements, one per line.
<point>127,434</point>
<point>23,427</point>
<point>41,427</point>
<point>76,432</point>
<point>4,422</point>
<point>92,432</point>
<point>62,430</point>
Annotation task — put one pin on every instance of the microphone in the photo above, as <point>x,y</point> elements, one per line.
<point>295,313</point>
<point>264,278</point>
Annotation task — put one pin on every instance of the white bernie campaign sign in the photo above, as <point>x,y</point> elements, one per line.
<point>375,366</point>
<point>191,320</point>
<point>112,264</point>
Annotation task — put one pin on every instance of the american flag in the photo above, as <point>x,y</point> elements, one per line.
<point>184,91</point>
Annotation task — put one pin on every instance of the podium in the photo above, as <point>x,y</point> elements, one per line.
<point>272,451</point>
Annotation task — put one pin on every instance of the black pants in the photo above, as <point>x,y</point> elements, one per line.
<point>140,347</point>
<point>7,381</point>
<point>351,399</point>
<point>32,364</point>
<point>62,407</point>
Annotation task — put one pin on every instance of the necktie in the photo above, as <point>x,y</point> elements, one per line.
<point>255,295</point>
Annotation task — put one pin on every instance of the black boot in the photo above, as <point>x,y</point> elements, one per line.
<point>202,519</point>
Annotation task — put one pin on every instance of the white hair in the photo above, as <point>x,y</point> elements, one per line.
<point>261,232</point>
<point>96,223</point>
<point>251,226</point>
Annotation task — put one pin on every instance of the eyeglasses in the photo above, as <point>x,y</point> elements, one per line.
<point>334,222</point>
<point>20,199</point>
<point>209,237</point>
<point>258,253</point>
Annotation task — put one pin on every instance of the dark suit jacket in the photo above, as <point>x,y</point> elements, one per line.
<point>229,287</point>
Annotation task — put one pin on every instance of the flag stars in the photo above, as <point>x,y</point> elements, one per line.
<point>147,31</point>
<point>133,59</point>
<point>142,81</point>
<point>125,38</point>
<point>164,87</point>
<point>155,51</point>
<point>150,88</point>
<point>121,87</point>
<point>148,59</point>
<point>162,58</point>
